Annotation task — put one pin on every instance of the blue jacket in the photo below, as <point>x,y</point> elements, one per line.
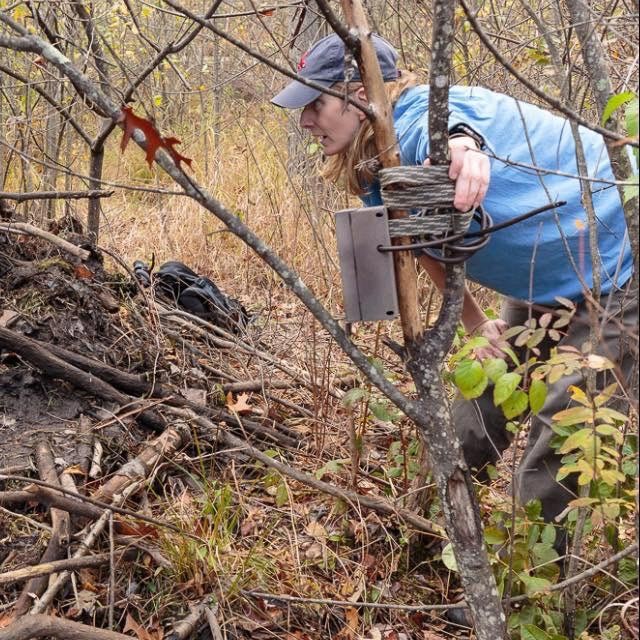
<point>535,260</point>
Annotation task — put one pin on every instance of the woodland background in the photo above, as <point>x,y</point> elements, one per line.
<point>259,532</point>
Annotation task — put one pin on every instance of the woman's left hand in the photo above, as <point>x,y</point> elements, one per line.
<point>471,170</point>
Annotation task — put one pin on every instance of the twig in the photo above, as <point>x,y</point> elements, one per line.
<point>444,607</point>
<point>68,564</point>
<point>378,505</point>
<point>60,531</point>
<point>347,603</point>
<point>214,625</point>
<point>183,629</point>
<point>31,521</point>
<point>138,469</point>
<point>90,501</point>
<point>55,195</point>
<point>257,385</point>
<point>60,521</point>
<point>47,597</point>
<point>25,228</point>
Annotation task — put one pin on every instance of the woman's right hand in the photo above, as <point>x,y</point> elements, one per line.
<point>492,330</point>
<point>471,170</point>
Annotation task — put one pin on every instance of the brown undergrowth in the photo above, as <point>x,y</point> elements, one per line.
<point>224,529</point>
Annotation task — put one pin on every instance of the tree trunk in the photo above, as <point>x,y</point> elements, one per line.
<point>595,62</point>
<point>426,353</point>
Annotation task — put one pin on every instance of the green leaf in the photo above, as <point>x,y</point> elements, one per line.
<point>531,632</point>
<point>495,535</point>
<point>533,509</point>
<point>573,415</point>
<point>282,495</point>
<point>578,440</point>
<point>631,117</point>
<point>537,395</point>
<point>544,553</point>
<point>608,414</point>
<point>630,191</point>
<point>516,404</point>
<point>611,476</point>
<point>513,331</point>
<point>628,570</point>
<point>495,368</point>
<point>473,343</point>
<point>533,584</point>
<point>615,102</point>
<point>610,430</point>
<point>353,395</point>
<point>536,338</point>
<point>548,534</point>
<point>383,411</point>
<point>448,559</point>
<point>505,386</point>
<point>470,378</point>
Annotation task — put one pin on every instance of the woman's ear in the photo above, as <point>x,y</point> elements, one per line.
<point>361,96</point>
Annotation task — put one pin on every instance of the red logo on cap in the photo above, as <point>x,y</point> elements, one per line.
<point>303,61</point>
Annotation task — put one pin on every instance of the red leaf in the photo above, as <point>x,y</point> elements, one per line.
<point>139,529</point>
<point>267,12</point>
<point>130,122</point>
<point>82,273</point>
<point>169,144</point>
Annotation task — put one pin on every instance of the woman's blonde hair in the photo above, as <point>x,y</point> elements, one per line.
<point>356,165</point>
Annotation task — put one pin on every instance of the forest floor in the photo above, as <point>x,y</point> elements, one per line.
<point>225,486</point>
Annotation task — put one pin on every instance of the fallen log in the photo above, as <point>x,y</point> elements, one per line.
<point>42,626</point>
<point>28,229</point>
<point>60,534</point>
<point>60,521</point>
<point>139,468</point>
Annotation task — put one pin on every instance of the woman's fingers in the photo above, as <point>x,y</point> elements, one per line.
<point>471,170</point>
<point>492,330</point>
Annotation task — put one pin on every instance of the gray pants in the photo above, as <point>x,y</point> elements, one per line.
<point>481,426</point>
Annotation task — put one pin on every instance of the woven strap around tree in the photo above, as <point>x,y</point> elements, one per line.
<point>426,188</point>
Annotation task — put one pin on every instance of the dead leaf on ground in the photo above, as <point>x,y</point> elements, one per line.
<point>86,601</point>
<point>140,631</point>
<point>250,524</point>
<point>7,317</point>
<point>198,396</point>
<point>351,624</point>
<point>241,405</point>
<point>5,620</point>
<point>82,273</point>
<point>316,530</point>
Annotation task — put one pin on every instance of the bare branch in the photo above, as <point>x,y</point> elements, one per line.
<point>54,195</point>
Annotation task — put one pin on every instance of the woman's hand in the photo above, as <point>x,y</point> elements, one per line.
<point>470,169</point>
<point>492,330</point>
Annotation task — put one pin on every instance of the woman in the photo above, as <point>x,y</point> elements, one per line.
<point>512,157</point>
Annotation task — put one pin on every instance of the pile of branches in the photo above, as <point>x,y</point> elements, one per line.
<point>167,404</point>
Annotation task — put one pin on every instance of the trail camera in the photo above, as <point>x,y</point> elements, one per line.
<point>368,278</point>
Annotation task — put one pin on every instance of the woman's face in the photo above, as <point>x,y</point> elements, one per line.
<point>332,121</point>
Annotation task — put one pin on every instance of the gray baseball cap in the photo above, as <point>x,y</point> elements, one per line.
<point>324,63</point>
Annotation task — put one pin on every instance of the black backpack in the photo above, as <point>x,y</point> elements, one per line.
<point>182,286</point>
